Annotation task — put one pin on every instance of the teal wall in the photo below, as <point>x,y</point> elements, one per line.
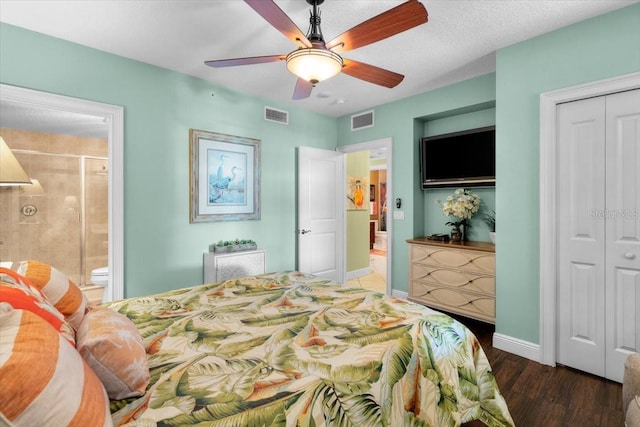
<point>161,249</point>
<point>405,122</point>
<point>437,125</point>
<point>595,49</point>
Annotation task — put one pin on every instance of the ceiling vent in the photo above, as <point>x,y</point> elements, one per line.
<point>362,120</point>
<point>277,116</point>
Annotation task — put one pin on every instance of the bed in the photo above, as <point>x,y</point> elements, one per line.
<point>290,349</point>
<point>281,349</point>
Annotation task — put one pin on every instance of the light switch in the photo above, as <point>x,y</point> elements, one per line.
<point>398,214</point>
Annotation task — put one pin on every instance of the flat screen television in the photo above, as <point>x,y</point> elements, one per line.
<point>465,158</point>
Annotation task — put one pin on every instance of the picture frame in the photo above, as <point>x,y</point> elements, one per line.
<point>372,192</point>
<point>224,175</point>
<point>357,193</point>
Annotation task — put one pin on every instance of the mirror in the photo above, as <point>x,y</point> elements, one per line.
<point>48,113</point>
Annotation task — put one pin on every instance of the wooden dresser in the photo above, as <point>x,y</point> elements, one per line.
<point>454,277</point>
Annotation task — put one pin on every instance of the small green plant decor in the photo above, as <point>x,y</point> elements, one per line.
<point>236,245</point>
<point>490,220</point>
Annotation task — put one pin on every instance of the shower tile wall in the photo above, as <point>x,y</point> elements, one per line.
<point>53,233</point>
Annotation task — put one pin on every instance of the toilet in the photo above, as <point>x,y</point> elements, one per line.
<point>100,276</point>
<point>381,241</point>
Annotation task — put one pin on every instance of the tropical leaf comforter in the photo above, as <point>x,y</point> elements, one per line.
<point>289,349</point>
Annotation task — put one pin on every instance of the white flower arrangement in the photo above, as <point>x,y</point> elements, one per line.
<point>463,204</point>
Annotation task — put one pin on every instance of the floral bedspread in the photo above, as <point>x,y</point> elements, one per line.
<point>289,349</point>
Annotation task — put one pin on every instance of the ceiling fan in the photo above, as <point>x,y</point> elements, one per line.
<point>316,60</point>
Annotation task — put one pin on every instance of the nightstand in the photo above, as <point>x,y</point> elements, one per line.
<point>225,266</point>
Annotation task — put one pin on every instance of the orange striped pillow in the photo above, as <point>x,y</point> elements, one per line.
<point>65,295</point>
<point>18,292</point>
<point>43,379</point>
<point>111,344</point>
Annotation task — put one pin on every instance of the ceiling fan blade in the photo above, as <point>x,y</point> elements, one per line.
<point>302,89</point>
<point>219,63</point>
<point>394,21</point>
<point>371,73</point>
<point>278,19</point>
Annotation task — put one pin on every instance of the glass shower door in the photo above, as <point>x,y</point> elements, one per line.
<point>62,221</point>
<point>96,215</point>
<point>46,222</point>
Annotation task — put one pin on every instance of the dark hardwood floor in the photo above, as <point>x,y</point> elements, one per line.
<point>540,395</point>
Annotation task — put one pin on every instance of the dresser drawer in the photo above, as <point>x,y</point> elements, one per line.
<point>483,262</point>
<point>459,279</point>
<point>454,300</point>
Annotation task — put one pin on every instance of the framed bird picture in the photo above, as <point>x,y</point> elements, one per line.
<point>224,175</point>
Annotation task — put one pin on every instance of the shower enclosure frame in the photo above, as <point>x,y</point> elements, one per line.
<point>82,218</point>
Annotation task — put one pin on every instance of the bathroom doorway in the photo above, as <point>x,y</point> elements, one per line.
<point>47,113</point>
<point>62,218</point>
<point>376,241</point>
<point>377,279</point>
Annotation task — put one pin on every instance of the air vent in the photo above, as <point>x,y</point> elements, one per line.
<point>362,120</point>
<point>276,116</point>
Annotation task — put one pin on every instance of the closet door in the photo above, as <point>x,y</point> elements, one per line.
<point>622,230</point>
<point>581,235</point>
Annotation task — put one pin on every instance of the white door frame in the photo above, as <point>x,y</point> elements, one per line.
<point>548,188</point>
<point>371,145</point>
<point>114,116</point>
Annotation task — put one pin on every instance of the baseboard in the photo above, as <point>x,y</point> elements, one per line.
<point>399,294</point>
<point>354,274</point>
<point>517,346</point>
<point>506,343</point>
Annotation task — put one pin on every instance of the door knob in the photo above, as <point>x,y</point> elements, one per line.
<point>629,255</point>
<point>305,231</point>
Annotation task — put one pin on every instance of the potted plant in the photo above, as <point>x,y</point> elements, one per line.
<point>233,246</point>
<point>490,220</point>
<point>461,206</point>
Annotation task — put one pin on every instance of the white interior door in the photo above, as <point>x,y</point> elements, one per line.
<point>321,213</point>
<point>581,262</point>
<point>622,222</point>
<point>599,233</point>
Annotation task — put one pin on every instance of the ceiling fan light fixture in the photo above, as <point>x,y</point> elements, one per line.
<point>314,65</point>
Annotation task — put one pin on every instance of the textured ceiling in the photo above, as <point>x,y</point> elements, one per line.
<point>458,42</point>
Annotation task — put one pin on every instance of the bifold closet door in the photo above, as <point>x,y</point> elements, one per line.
<point>598,221</point>
<point>581,235</point>
<point>622,230</point>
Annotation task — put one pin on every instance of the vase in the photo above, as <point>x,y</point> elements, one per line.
<point>456,233</point>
